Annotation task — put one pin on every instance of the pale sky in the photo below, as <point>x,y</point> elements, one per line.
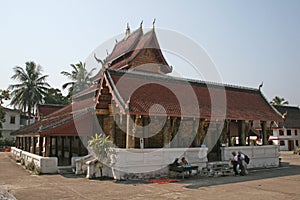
<point>249,41</point>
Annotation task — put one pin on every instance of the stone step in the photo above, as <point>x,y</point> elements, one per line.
<point>66,170</point>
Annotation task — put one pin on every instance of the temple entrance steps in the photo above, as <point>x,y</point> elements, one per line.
<point>66,170</point>
<point>217,168</point>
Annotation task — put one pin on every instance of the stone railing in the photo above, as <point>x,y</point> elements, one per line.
<point>47,165</point>
<point>260,156</point>
<point>79,163</point>
<point>147,163</point>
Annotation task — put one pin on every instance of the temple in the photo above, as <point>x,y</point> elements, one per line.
<point>137,103</point>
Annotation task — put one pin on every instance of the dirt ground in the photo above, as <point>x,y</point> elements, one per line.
<point>276,183</point>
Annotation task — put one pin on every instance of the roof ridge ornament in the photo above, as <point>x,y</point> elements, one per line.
<point>127,32</point>
<point>98,59</point>
<point>260,86</point>
<point>153,23</point>
<point>141,24</point>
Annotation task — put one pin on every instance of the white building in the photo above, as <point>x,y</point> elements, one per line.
<point>287,135</point>
<point>14,120</point>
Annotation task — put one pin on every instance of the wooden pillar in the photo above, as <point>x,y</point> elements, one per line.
<point>248,130</point>
<point>41,141</point>
<point>130,142</point>
<point>34,145</point>
<point>29,144</point>
<point>16,142</point>
<point>145,121</point>
<point>167,133</point>
<point>242,132</point>
<point>47,146</point>
<point>175,126</point>
<point>200,133</point>
<point>63,146</point>
<point>264,132</point>
<point>112,129</point>
<point>25,143</point>
<point>70,147</point>
<point>79,146</point>
<point>56,146</point>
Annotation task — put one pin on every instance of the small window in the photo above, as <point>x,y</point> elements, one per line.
<point>282,143</point>
<point>296,133</point>
<point>297,143</point>
<point>12,119</point>
<point>281,132</point>
<point>289,132</point>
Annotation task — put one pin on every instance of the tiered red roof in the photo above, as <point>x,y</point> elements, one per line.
<point>144,91</point>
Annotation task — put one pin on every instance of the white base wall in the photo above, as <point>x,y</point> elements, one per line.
<point>148,163</point>
<point>260,156</point>
<point>48,165</point>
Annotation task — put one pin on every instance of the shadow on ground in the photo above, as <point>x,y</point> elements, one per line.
<point>196,182</point>
<point>257,174</point>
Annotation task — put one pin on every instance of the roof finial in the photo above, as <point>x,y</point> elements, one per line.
<point>98,59</point>
<point>260,86</point>
<point>127,33</point>
<point>141,24</point>
<point>153,23</point>
<point>107,52</point>
<point>116,40</point>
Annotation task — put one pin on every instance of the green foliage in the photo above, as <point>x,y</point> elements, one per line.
<point>102,146</point>
<point>54,96</point>
<point>32,167</point>
<point>279,101</point>
<point>22,161</point>
<point>2,117</point>
<point>80,78</point>
<point>4,95</point>
<point>297,150</point>
<point>31,87</point>
<point>37,170</point>
<point>5,141</point>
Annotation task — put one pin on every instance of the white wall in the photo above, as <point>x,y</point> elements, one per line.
<point>260,156</point>
<point>9,127</point>
<point>293,137</point>
<point>148,163</point>
<point>48,165</point>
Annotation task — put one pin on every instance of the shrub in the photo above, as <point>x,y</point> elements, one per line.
<point>102,146</point>
<point>5,141</point>
<point>31,166</point>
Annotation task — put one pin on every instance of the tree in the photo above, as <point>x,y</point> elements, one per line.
<point>31,89</point>
<point>80,78</point>
<point>4,95</point>
<point>54,96</point>
<point>279,101</point>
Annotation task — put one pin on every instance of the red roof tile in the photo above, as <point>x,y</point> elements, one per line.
<point>145,91</point>
<point>62,121</point>
<point>125,46</point>
<point>46,109</point>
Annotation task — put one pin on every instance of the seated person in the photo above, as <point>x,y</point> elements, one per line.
<point>175,163</point>
<point>184,162</point>
<point>176,166</point>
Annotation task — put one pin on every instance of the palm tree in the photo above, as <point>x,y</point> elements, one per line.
<point>31,89</point>
<point>80,78</point>
<point>279,101</point>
